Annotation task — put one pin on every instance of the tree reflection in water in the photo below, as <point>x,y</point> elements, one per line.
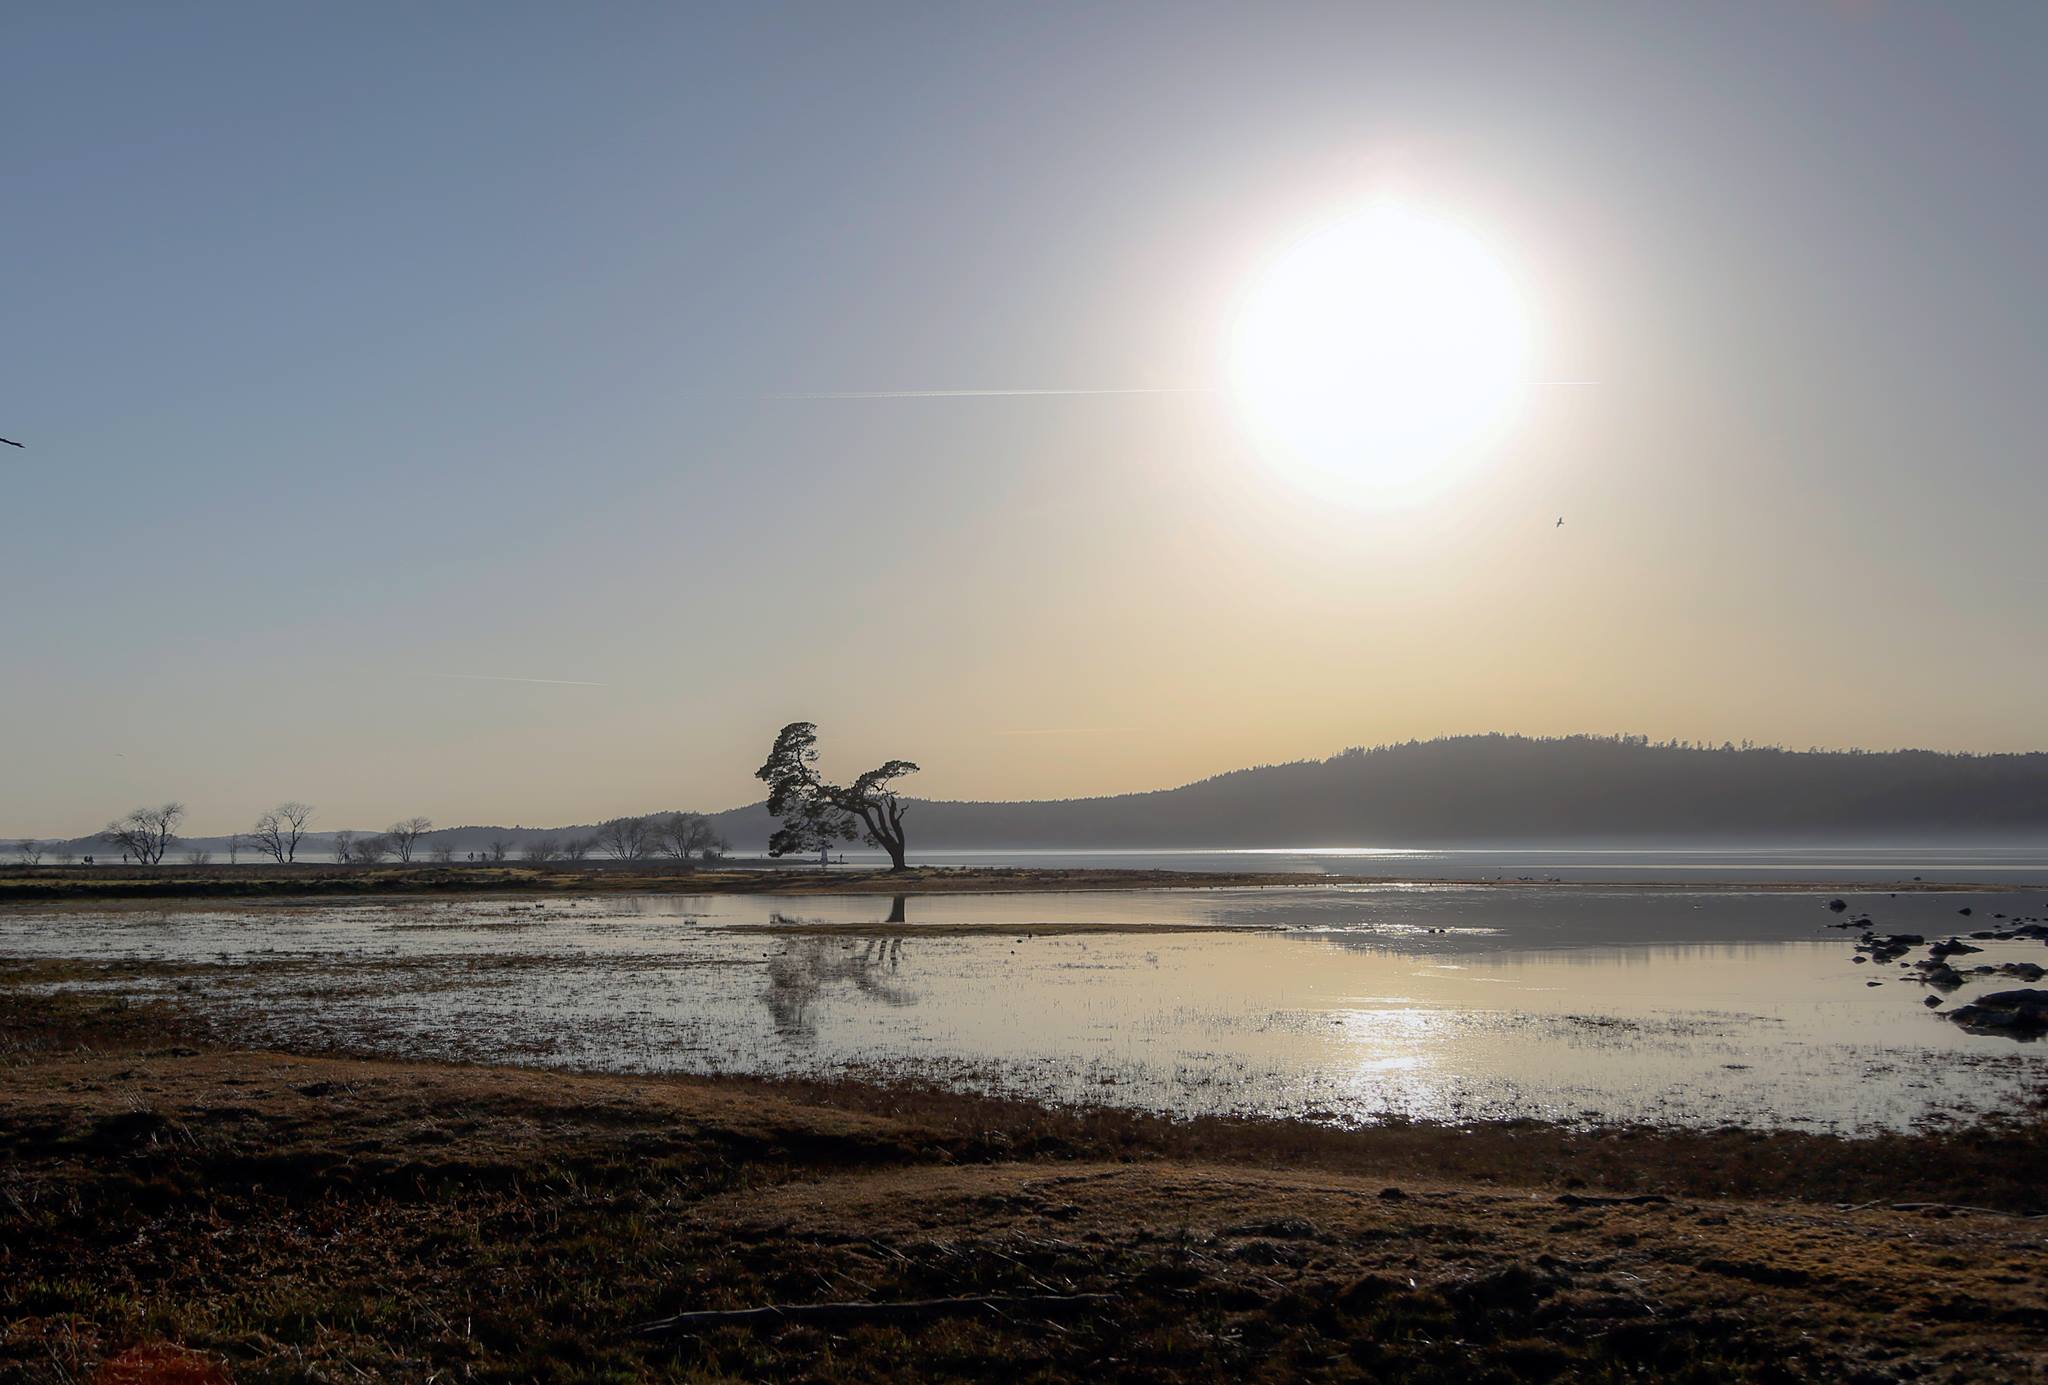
<point>806,967</point>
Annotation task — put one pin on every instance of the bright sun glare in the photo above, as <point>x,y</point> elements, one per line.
<point>1379,353</point>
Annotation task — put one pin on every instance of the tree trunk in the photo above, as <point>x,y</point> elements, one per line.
<point>885,829</point>
<point>892,810</point>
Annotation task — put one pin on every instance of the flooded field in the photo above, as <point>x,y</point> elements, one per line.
<point>1344,1005</point>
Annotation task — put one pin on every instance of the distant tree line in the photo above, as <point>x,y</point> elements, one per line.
<point>147,836</point>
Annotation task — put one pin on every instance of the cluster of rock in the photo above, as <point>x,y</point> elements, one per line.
<point>2019,1013</point>
<point>1889,948</point>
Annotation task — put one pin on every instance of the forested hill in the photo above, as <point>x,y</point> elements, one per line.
<point>1522,790</point>
<point>1508,790</point>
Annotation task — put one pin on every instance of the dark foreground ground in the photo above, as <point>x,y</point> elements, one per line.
<point>174,1211</point>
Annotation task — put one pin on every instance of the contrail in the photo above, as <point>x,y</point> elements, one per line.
<point>977,394</point>
<point>494,678</point>
<point>1026,394</point>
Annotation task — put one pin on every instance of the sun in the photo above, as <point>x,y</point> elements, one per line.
<point>1379,354</point>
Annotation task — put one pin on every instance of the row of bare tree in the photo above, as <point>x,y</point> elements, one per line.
<point>146,835</point>
<point>678,836</point>
<point>398,842</point>
<point>277,834</point>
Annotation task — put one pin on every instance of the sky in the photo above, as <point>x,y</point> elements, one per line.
<point>368,355</point>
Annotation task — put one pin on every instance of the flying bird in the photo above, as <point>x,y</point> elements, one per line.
<point>12,443</point>
<point>1560,523</point>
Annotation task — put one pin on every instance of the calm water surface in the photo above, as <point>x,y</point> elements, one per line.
<point>2004,864</point>
<point>1335,1004</point>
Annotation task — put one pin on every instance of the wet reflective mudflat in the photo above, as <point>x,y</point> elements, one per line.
<point>1346,1005</point>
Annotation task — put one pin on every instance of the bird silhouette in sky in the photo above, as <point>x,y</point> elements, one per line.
<point>1560,523</point>
<point>12,443</point>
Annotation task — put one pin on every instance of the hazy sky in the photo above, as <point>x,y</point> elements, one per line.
<point>358,345</point>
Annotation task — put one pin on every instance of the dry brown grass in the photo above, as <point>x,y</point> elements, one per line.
<point>326,1218</point>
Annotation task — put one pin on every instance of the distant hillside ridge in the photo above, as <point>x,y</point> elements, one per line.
<point>1521,789</point>
<point>1496,788</point>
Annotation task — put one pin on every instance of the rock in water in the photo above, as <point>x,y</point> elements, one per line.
<point>2021,1014</point>
<point>1940,974</point>
<point>1885,949</point>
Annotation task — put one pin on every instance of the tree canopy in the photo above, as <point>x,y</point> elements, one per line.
<point>812,813</point>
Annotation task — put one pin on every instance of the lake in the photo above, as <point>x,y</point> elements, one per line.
<point>1346,1005</point>
<point>2003,864</point>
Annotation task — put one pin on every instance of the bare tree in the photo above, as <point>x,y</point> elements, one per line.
<point>578,848</point>
<point>368,851</point>
<point>442,852</point>
<point>147,833</point>
<point>279,831</point>
<point>199,856</point>
<point>624,839</point>
<point>344,847</point>
<point>541,849</point>
<point>31,851</point>
<point>687,836</point>
<point>65,853</point>
<point>236,841</point>
<point>498,848</point>
<point>403,836</point>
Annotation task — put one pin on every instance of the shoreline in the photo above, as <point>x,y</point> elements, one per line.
<point>270,1214</point>
<point>46,885</point>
